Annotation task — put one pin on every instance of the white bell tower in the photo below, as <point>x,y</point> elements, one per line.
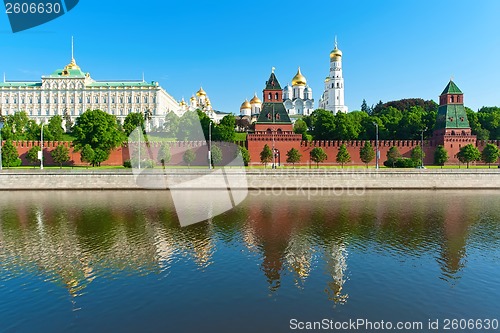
<point>333,97</point>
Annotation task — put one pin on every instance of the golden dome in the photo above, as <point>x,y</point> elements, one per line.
<point>182,102</point>
<point>245,105</point>
<point>299,79</point>
<point>327,79</point>
<point>336,53</point>
<point>201,92</point>
<point>255,100</point>
<point>192,98</point>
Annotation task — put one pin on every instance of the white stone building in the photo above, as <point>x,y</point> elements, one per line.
<point>333,96</point>
<point>298,98</point>
<point>200,101</point>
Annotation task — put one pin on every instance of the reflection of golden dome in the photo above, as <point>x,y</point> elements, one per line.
<point>299,79</point>
<point>336,53</point>
<point>255,100</point>
<point>201,92</point>
<point>245,105</point>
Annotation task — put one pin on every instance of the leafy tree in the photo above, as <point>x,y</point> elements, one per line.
<point>244,154</point>
<point>440,156</point>
<point>490,154</point>
<point>100,131</point>
<point>216,155</point>
<point>266,155</point>
<point>293,156</point>
<point>33,130</point>
<point>87,154</point>
<point>171,124</point>
<point>343,156</point>
<point>366,153</point>
<point>318,155</point>
<point>99,157</point>
<point>300,127</point>
<point>323,125</point>
<point>365,107</point>
<point>54,130</point>
<point>60,155</point>
<point>164,154</point>
<point>225,130</point>
<point>189,156</point>
<point>10,157</point>
<point>392,156</point>
<point>468,153</point>
<point>17,122</point>
<point>132,121</point>
<point>189,127</point>
<point>417,155</point>
<point>32,155</point>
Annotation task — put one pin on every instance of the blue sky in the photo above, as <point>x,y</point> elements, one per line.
<point>392,49</point>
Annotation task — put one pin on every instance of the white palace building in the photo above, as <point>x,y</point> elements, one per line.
<point>72,91</point>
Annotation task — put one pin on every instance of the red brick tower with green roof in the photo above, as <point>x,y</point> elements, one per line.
<point>452,126</point>
<point>273,127</point>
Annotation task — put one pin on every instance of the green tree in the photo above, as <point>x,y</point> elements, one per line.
<point>469,153</point>
<point>392,156</point>
<point>60,155</point>
<point>10,157</point>
<point>323,125</point>
<point>417,155</point>
<point>225,130</point>
<point>293,156</point>
<point>365,107</point>
<point>245,155</point>
<point>266,155</point>
<point>99,130</point>
<point>164,154</point>
<point>171,125</point>
<point>440,156</point>
<point>343,156</point>
<point>54,130</point>
<point>216,155</point>
<point>32,155</point>
<point>33,131</point>
<point>300,127</point>
<point>490,154</point>
<point>132,121</point>
<point>189,127</point>
<point>189,156</point>
<point>318,155</point>
<point>366,153</point>
<point>17,123</point>
<point>87,154</point>
<point>99,157</point>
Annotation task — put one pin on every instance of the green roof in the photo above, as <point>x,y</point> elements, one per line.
<point>20,84</point>
<point>75,73</point>
<point>273,83</point>
<point>452,116</point>
<point>273,113</point>
<point>451,88</point>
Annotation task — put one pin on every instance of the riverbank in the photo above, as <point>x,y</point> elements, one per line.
<point>276,180</point>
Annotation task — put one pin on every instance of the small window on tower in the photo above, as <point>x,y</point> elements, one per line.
<point>276,96</point>
<point>270,96</point>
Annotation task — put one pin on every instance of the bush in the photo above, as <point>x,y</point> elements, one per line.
<point>145,164</point>
<point>127,164</point>
<point>402,162</point>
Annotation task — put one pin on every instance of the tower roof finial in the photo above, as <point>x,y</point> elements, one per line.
<point>336,44</point>
<point>72,48</point>
<point>273,69</point>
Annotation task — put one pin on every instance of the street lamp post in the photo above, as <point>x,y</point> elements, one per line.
<point>210,144</point>
<point>422,148</point>
<point>1,126</point>
<point>377,154</point>
<point>41,149</point>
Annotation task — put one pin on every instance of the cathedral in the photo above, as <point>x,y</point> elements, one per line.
<point>333,96</point>
<point>200,101</point>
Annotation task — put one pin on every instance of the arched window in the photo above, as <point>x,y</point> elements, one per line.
<point>270,96</point>
<point>269,131</point>
<point>276,96</point>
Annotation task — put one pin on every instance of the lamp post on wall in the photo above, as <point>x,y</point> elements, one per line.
<point>1,126</point>
<point>209,144</point>
<point>422,148</point>
<point>377,153</point>
<point>40,153</point>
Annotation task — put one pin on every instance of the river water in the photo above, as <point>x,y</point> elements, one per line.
<point>116,261</point>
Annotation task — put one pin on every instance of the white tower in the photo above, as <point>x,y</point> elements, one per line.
<point>333,97</point>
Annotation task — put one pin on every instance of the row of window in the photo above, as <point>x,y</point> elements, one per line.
<point>96,100</point>
<point>56,112</point>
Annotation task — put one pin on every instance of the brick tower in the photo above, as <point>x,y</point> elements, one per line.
<point>452,126</point>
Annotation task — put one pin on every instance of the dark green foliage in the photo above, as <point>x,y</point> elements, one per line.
<point>417,155</point>
<point>189,126</point>
<point>127,164</point>
<point>171,125</point>
<point>468,153</point>
<point>367,153</point>
<point>225,130</point>
<point>365,107</point>
<point>189,156</point>
<point>404,162</point>
<point>293,156</point>
<point>343,156</point>
<point>60,155</point>
<point>54,130</point>
<point>490,154</point>
<point>266,155</point>
<point>132,121</point>
<point>10,157</point>
<point>32,155</point>
<point>392,156</point>
<point>318,155</point>
<point>87,154</point>
<point>33,131</point>
<point>440,156</point>
<point>300,127</point>
<point>245,155</point>
<point>216,155</point>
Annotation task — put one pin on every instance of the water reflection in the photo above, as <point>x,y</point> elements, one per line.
<point>74,238</point>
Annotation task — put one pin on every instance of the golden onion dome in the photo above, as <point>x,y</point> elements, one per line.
<point>192,98</point>
<point>201,92</point>
<point>336,53</point>
<point>327,79</point>
<point>245,105</point>
<point>255,100</point>
<point>299,79</point>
